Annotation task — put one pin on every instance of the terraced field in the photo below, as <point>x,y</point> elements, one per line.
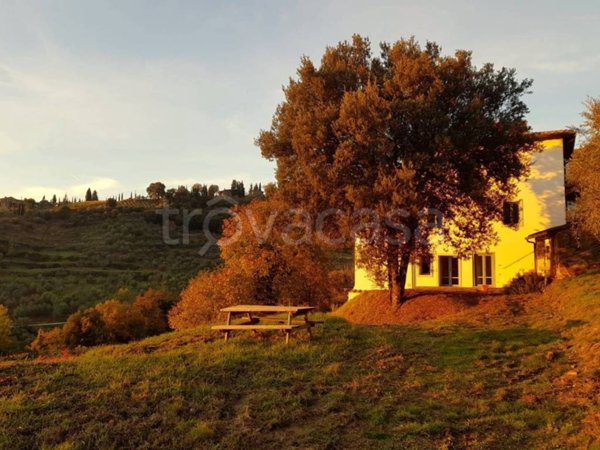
<point>54,263</point>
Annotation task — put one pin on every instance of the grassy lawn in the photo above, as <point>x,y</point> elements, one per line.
<point>353,386</point>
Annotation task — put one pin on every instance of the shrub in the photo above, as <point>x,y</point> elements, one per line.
<point>85,328</point>
<point>153,306</point>
<point>262,269</point>
<point>49,343</point>
<point>5,327</point>
<point>122,321</point>
<point>341,281</point>
<point>118,321</point>
<point>204,296</point>
<point>527,283</point>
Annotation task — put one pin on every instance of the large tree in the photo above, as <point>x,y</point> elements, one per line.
<point>583,172</point>
<point>401,133</point>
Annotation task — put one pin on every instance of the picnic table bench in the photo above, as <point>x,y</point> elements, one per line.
<point>258,314</point>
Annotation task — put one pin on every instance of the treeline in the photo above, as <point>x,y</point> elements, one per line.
<point>20,207</point>
<point>182,196</point>
<point>200,194</point>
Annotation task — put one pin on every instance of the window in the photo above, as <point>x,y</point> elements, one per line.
<point>483,270</point>
<point>425,265</point>
<point>513,213</point>
<point>448,271</point>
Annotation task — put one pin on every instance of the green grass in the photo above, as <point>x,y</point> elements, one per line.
<point>54,263</point>
<point>438,386</point>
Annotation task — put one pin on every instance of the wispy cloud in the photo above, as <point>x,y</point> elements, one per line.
<point>178,91</point>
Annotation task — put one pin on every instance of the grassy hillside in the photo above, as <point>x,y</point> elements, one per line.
<point>470,379</point>
<point>53,263</point>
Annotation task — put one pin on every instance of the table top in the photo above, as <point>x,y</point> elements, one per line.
<point>268,309</point>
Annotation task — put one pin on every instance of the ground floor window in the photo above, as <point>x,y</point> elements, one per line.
<point>425,265</point>
<point>483,270</point>
<point>448,271</point>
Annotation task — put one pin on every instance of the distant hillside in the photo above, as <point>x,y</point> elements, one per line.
<point>54,262</point>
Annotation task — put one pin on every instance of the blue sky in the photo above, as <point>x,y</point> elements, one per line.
<point>117,94</point>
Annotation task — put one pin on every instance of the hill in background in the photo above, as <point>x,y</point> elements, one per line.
<point>54,263</point>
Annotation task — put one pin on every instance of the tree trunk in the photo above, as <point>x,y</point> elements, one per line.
<point>397,272</point>
<point>393,268</point>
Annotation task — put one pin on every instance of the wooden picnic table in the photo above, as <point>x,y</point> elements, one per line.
<point>258,314</point>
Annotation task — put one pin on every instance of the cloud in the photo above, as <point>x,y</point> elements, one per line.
<point>7,144</point>
<point>138,120</point>
<point>566,66</point>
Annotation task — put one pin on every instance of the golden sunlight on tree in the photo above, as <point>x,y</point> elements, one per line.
<point>261,266</point>
<point>583,173</point>
<point>407,131</point>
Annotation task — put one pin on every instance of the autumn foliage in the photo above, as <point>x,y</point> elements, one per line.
<point>266,260</point>
<point>5,328</point>
<point>400,134</point>
<point>112,321</point>
<point>583,172</point>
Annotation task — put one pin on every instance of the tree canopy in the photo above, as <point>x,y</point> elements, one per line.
<point>258,266</point>
<point>402,133</point>
<point>156,190</point>
<point>583,172</point>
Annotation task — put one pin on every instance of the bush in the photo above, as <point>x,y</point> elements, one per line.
<point>204,296</point>
<point>85,328</point>
<point>341,281</point>
<point>119,321</point>
<point>264,269</point>
<point>153,307</point>
<point>122,321</point>
<point>527,283</point>
<point>49,343</point>
<point>5,327</point>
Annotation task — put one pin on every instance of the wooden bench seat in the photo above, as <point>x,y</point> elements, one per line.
<point>258,314</point>
<point>258,327</point>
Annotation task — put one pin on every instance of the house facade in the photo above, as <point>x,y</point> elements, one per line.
<point>526,237</point>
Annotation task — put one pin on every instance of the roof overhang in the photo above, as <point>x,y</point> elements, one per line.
<point>567,136</point>
<point>549,232</point>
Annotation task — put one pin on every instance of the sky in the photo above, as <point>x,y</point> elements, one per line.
<point>117,94</point>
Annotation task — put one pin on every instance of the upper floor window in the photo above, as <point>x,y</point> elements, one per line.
<point>513,213</point>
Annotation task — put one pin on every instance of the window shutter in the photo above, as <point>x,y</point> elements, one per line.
<point>515,213</point>
<point>521,218</point>
<point>507,217</point>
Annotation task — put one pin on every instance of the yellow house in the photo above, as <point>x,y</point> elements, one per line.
<point>525,237</point>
